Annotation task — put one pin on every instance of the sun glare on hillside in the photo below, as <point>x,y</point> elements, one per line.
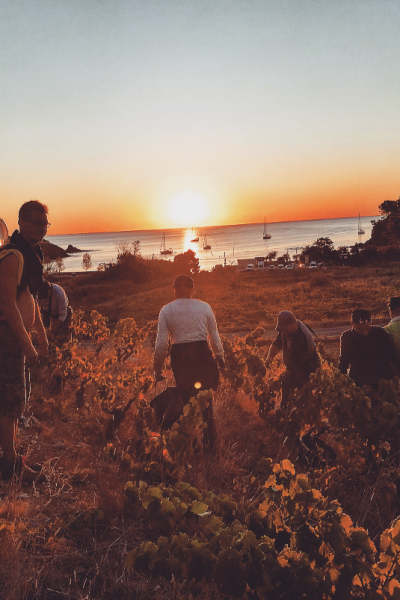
<point>188,208</point>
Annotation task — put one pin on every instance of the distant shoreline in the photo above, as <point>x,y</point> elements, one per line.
<point>200,227</point>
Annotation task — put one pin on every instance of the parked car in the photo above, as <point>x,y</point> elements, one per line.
<point>313,264</point>
<point>281,266</point>
<point>271,268</point>
<point>250,267</point>
<point>289,266</point>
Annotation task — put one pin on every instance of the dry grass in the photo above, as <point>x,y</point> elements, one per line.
<point>52,545</point>
<point>246,300</point>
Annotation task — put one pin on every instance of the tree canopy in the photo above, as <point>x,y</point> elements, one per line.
<point>187,262</point>
<point>321,250</point>
<point>390,207</point>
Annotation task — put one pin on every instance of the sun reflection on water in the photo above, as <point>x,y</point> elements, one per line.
<point>188,243</point>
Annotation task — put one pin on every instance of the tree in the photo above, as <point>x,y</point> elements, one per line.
<point>87,262</point>
<point>128,251</point>
<point>390,207</point>
<point>285,257</point>
<point>321,250</point>
<point>187,262</point>
<point>60,264</point>
<point>272,255</point>
<point>49,266</point>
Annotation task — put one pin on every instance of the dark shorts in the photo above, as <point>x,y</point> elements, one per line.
<point>13,391</point>
<point>194,366</point>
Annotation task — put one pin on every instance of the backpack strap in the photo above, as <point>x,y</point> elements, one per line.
<point>11,249</point>
<point>309,328</point>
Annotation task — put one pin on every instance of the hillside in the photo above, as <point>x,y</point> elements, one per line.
<point>285,506</point>
<point>386,230</point>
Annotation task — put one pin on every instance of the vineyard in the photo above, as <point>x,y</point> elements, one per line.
<point>293,504</point>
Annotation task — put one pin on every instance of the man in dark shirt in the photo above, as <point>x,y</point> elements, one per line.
<point>369,351</point>
<point>296,342</point>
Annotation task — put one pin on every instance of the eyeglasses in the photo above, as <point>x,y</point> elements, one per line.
<point>39,223</point>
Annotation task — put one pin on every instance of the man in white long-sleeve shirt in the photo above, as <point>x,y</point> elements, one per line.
<point>189,323</point>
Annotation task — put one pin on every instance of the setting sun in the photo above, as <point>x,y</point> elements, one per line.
<point>188,208</point>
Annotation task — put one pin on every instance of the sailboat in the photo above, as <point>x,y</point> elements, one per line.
<point>163,249</point>
<point>266,235</point>
<point>360,229</point>
<point>206,245</point>
<point>196,238</point>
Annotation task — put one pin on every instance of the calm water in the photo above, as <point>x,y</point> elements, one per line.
<point>228,243</point>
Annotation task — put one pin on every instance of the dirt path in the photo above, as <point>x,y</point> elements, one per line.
<point>324,331</point>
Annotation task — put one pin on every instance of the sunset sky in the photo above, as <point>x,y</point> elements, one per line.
<point>287,109</point>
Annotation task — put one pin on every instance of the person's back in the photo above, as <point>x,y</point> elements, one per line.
<point>189,320</point>
<point>189,323</point>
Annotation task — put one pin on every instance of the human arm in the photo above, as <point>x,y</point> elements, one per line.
<point>215,339</point>
<point>344,355</point>
<point>41,332</point>
<point>161,346</point>
<point>10,310</point>
<point>272,352</point>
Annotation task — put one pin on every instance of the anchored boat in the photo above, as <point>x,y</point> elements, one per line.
<point>164,250</point>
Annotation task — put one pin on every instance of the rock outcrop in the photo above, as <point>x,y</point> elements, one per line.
<point>51,251</point>
<point>72,249</point>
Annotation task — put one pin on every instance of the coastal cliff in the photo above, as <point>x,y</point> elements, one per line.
<point>386,231</point>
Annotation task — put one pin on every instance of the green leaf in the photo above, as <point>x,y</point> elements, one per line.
<point>130,559</point>
<point>155,492</point>
<point>198,508</point>
<point>215,524</point>
<point>167,507</point>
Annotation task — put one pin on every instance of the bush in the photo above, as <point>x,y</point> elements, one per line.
<point>320,280</point>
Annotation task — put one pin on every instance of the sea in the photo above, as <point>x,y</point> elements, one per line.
<point>228,243</point>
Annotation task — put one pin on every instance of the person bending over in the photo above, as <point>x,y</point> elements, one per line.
<point>296,342</point>
<point>56,312</point>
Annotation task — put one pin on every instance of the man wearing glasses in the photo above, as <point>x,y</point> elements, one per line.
<point>20,279</point>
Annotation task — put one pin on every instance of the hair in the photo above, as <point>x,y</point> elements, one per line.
<point>394,303</point>
<point>360,315</point>
<point>32,205</point>
<point>183,281</point>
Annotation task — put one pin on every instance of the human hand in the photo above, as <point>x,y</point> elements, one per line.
<point>221,363</point>
<point>43,348</point>
<point>31,356</point>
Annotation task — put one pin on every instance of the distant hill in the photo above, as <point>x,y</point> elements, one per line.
<point>51,251</point>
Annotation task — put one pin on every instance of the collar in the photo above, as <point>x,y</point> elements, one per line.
<point>394,320</point>
<point>20,241</point>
